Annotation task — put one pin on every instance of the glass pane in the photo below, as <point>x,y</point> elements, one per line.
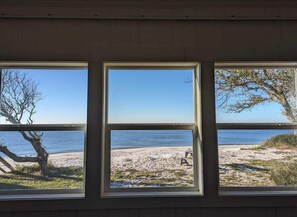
<point>49,159</point>
<point>151,158</point>
<point>150,96</point>
<point>245,95</point>
<point>43,96</point>
<point>250,158</point>
<point>64,165</point>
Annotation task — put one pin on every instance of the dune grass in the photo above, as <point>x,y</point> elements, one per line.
<point>176,178</point>
<point>284,174</point>
<point>283,141</point>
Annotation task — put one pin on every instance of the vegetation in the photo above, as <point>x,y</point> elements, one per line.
<point>243,89</point>
<point>19,97</point>
<point>261,173</point>
<point>174,178</point>
<point>283,141</point>
<point>30,177</point>
<point>284,174</point>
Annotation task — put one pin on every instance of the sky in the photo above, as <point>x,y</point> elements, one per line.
<point>134,96</point>
<point>64,95</point>
<point>150,96</point>
<point>163,96</point>
<point>265,113</point>
<point>268,112</point>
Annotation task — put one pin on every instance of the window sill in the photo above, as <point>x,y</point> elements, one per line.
<point>258,191</point>
<point>56,196</point>
<point>151,194</point>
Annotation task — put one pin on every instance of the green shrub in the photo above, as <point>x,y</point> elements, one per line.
<point>284,174</point>
<point>281,141</point>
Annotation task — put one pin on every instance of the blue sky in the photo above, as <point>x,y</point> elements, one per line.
<point>265,113</point>
<point>150,96</point>
<point>135,96</point>
<point>64,95</point>
<point>163,96</point>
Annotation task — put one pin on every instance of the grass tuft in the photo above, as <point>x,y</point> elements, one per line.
<point>284,141</point>
<point>29,177</point>
<point>284,174</point>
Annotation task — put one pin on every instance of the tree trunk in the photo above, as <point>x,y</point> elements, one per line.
<point>42,156</point>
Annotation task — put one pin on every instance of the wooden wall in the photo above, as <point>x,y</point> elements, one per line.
<point>143,31</point>
<point>180,212</point>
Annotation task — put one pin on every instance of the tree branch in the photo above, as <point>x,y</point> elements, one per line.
<point>15,157</point>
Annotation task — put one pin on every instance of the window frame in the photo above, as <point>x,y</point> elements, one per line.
<point>51,194</point>
<point>254,190</point>
<point>197,189</point>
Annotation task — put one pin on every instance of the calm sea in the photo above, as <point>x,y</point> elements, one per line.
<point>73,141</point>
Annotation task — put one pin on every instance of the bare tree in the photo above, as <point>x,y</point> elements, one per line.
<point>19,95</point>
<point>238,90</point>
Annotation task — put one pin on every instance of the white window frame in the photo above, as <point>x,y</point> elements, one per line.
<point>51,194</point>
<point>255,191</point>
<point>197,189</point>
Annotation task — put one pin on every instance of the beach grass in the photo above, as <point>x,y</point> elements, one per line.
<point>284,173</point>
<point>29,177</point>
<point>174,178</point>
<point>283,141</point>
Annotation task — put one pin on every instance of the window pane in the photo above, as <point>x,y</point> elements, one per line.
<point>250,158</point>
<point>150,96</point>
<point>45,159</point>
<point>244,95</point>
<point>65,162</point>
<point>59,96</point>
<point>151,158</point>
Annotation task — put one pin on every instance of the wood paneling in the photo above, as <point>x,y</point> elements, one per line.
<point>202,212</point>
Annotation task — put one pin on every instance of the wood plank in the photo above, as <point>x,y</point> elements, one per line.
<point>64,213</point>
<point>32,214</point>
<point>150,213</point>
<point>168,212</point>
<point>123,213</point>
<point>285,211</point>
<point>87,213</point>
<point>180,212</point>
<point>207,212</point>
<point>247,212</point>
<point>103,213</point>
<point>7,214</point>
<point>270,212</point>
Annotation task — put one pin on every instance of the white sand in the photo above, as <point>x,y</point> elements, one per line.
<point>165,160</point>
<point>239,154</point>
<point>149,159</point>
<point>237,169</point>
<point>67,159</point>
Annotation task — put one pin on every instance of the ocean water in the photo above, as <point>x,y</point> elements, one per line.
<point>74,141</point>
<point>247,137</point>
<point>52,141</point>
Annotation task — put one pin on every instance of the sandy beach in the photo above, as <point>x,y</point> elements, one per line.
<point>141,167</point>
<point>239,165</point>
<point>247,165</point>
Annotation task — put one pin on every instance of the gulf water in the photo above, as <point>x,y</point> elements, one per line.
<point>74,141</point>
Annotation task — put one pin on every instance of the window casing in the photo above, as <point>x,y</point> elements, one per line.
<point>195,128</point>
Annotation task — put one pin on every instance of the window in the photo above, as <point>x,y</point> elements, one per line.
<point>152,129</point>
<point>42,129</point>
<point>256,126</point>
